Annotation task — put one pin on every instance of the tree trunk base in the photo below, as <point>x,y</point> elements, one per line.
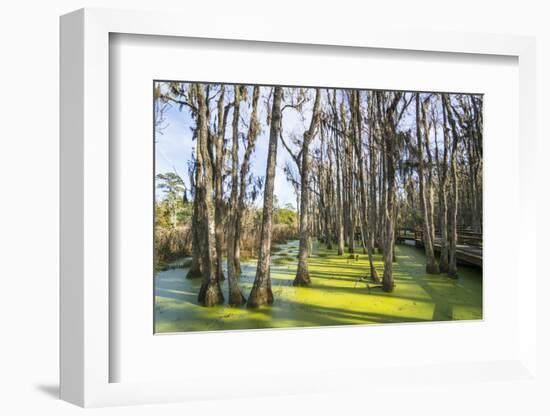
<point>238,269</point>
<point>302,279</point>
<point>432,268</point>
<point>194,273</point>
<point>260,296</point>
<point>452,275</point>
<point>236,298</point>
<point>210,294</point>
<point>388,286</point>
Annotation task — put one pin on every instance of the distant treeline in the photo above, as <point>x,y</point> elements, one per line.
<point>173,218</point>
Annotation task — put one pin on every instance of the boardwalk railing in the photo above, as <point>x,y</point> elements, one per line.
<point>469,248</point>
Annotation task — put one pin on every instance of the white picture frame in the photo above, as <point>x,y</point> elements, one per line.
<point>85,354</point>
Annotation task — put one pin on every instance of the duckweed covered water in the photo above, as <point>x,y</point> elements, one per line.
<point>337,296</point>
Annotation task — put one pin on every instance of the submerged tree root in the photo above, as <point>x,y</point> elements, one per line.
<point>388,286</point>
<point>210,294</point>
<point>302,279</point>
<point>236,298</point>
<point>260,296</point>
<point>432,268</point>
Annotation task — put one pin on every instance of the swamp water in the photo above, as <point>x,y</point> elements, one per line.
<point>337,296</point>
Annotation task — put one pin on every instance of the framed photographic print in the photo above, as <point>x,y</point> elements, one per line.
<point>280,206</point>
<point>304,245</point>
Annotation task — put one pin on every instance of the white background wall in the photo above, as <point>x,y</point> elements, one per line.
<point>29,56</point>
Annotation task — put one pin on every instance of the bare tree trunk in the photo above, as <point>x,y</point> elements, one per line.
<point>387,281</point>
<point>253,131</point>
<point>429,182</point>
<point>235,295</point>
<point>383,197</point>
<point>351,205</point>
<point>431,265</point>
<point>339,218</point>
<point>218,179</point>
<point>302,274</point>
<point>195,271</point>
<point>453,270</point>
<point>339,203</point>
<point>390,138</point>
<point>362,183</point>
<point>210,293</point>
<point>261,290</point>
<point>347,171</point>
<point>352,219</point>
<point>325,194</point>
<point>372,141</point>
<point>444,255</point>
<point>472,166</point>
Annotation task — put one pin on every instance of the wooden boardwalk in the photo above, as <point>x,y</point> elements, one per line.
<point>469,248</point>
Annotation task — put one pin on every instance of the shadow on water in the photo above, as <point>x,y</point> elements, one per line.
<point>339,295</point>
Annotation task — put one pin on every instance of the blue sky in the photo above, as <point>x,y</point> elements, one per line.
<point>174,146</point>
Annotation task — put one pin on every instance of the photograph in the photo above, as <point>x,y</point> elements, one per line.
<point>279,206</point>
<point>231,207</point>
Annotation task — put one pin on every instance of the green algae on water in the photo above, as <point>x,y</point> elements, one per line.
<point>339,294</point>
